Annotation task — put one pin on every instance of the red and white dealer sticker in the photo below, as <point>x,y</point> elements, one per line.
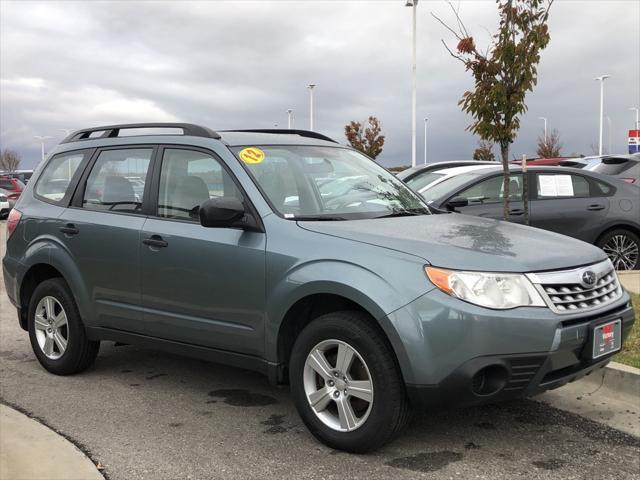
<point>607,338</point>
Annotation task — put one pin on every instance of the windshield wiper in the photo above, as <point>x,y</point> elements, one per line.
<point>312,218</point>
<point>403,213</point>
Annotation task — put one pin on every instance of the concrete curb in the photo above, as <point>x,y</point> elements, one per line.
<point>31,451</point>
<point>618,378</point>
<point>630,280</point>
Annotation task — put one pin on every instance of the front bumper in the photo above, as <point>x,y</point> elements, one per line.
<point>447,344</point>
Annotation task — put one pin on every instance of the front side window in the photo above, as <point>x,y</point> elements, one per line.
<point>117,181</point>
<point>55,179</point>
<point>561,186</point>
<point>491,190</point>
<point>326,183</point>
<point>187,179</point>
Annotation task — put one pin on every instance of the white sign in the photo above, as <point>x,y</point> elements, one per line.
<point>555,186</point>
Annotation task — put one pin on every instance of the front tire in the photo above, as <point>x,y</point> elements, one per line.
<point>346,384</point>
<point>622,247</point>
<point>56,331</point>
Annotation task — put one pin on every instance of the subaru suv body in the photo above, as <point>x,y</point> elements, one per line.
<point>287,253</point>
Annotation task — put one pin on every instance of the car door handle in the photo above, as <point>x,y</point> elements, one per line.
<point>70,229</point>
<point>595,207</point>
<point>516,211</point>
<point>155,241</point>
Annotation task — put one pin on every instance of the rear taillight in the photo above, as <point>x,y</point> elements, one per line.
<point>12,221</point>
<point>628,180</point>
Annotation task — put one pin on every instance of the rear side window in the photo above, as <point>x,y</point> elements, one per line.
<point>53,184</point>
<point>117,181</point>
<point>562,186</point>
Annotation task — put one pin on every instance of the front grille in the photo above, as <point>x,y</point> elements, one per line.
<point>566,291</point>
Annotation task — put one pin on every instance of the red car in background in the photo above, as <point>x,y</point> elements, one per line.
<point>11,185</point>
<point>548,162</point>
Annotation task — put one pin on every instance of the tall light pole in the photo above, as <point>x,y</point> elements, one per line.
<point>637,117</point>
<point>289,119</point>
<point>413,4</point>
<point>42,139</point>
<point>609,130</point>
<point>425,140</point>
<point>545,127</point>
<point>601,79</point>
<point>311,86</point>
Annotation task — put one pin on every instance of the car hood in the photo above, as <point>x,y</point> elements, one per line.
<point>468,243</point>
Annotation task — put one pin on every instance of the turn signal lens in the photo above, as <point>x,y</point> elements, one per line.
<point>440,278</point>
<point>12,221</point>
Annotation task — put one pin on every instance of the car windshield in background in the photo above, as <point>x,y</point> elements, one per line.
<point>446,186</point>
<point>420,181</point>
<point>327,183</point>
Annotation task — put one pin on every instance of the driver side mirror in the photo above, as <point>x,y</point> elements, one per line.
<point>221,212</point>
<point>457,202</point>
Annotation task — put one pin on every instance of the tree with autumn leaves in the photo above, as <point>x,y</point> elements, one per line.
<point>367,140</point>
<point>504,73</point>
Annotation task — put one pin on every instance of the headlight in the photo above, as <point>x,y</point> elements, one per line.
<point>491,290</point>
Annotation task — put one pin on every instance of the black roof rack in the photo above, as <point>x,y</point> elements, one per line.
<point>285,131</point>
<point>113,131</point>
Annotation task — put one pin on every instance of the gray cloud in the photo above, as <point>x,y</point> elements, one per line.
<point>240,64</point>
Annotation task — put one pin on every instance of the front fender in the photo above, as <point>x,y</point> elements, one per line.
<point>353,282</point>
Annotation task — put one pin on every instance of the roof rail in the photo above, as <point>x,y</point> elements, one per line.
<point>113,131</point>
<point>286,131</point>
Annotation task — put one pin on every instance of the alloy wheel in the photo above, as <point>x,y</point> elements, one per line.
<point>51,327</point>
<point>622,251</point>
<point>338,385</point>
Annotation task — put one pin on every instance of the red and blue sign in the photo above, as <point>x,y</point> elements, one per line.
<point>634,141</point>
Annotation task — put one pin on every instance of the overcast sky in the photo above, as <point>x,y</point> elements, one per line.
<point>242,64</point>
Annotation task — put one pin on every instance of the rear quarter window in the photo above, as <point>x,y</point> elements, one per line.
<point>55,181</point>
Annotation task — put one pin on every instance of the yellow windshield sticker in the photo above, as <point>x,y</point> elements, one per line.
<point>251,155</point>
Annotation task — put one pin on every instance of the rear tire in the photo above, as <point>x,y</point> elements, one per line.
<point>622,247</point>
<point>56,331</point>
<point>343,417</point>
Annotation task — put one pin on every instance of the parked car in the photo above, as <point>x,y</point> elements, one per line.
<point>581,204</point>
<point>362,300</point>
<point>549,162</point>
<point>622,167</point>
<point>12,185</point>
<point>420,170</point>
<point>22,175</point>
<point>425,179</point>
<point>581,162</point>
<point>5,206</point>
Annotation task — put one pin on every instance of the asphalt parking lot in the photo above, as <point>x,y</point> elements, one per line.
<point>145,414</point>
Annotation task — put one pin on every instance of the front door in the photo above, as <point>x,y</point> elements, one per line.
<point>202,286</point>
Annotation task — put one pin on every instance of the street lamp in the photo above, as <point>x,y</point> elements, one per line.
<point>425,140</point>
<point>311,86</point>
<point>289,119</point>
<point>637,117</point>
<point>42,139</point>
<point>609,129</point>
<point>413,4</point>
<point>601,79</point>
<point>545,127</point>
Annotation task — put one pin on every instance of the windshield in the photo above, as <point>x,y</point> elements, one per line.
<point>420,181</point>
<point>447,186</point>
<point>327,183</point>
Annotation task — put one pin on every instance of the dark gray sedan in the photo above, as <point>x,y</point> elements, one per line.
<point>586,205</point>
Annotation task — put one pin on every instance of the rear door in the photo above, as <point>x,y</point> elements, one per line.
<point>101,230</point>
<point>568,203</point>
<point>202,286</point>
<point>486,198</point>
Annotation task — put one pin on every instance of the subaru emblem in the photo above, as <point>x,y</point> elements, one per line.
<point>589,278</point>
